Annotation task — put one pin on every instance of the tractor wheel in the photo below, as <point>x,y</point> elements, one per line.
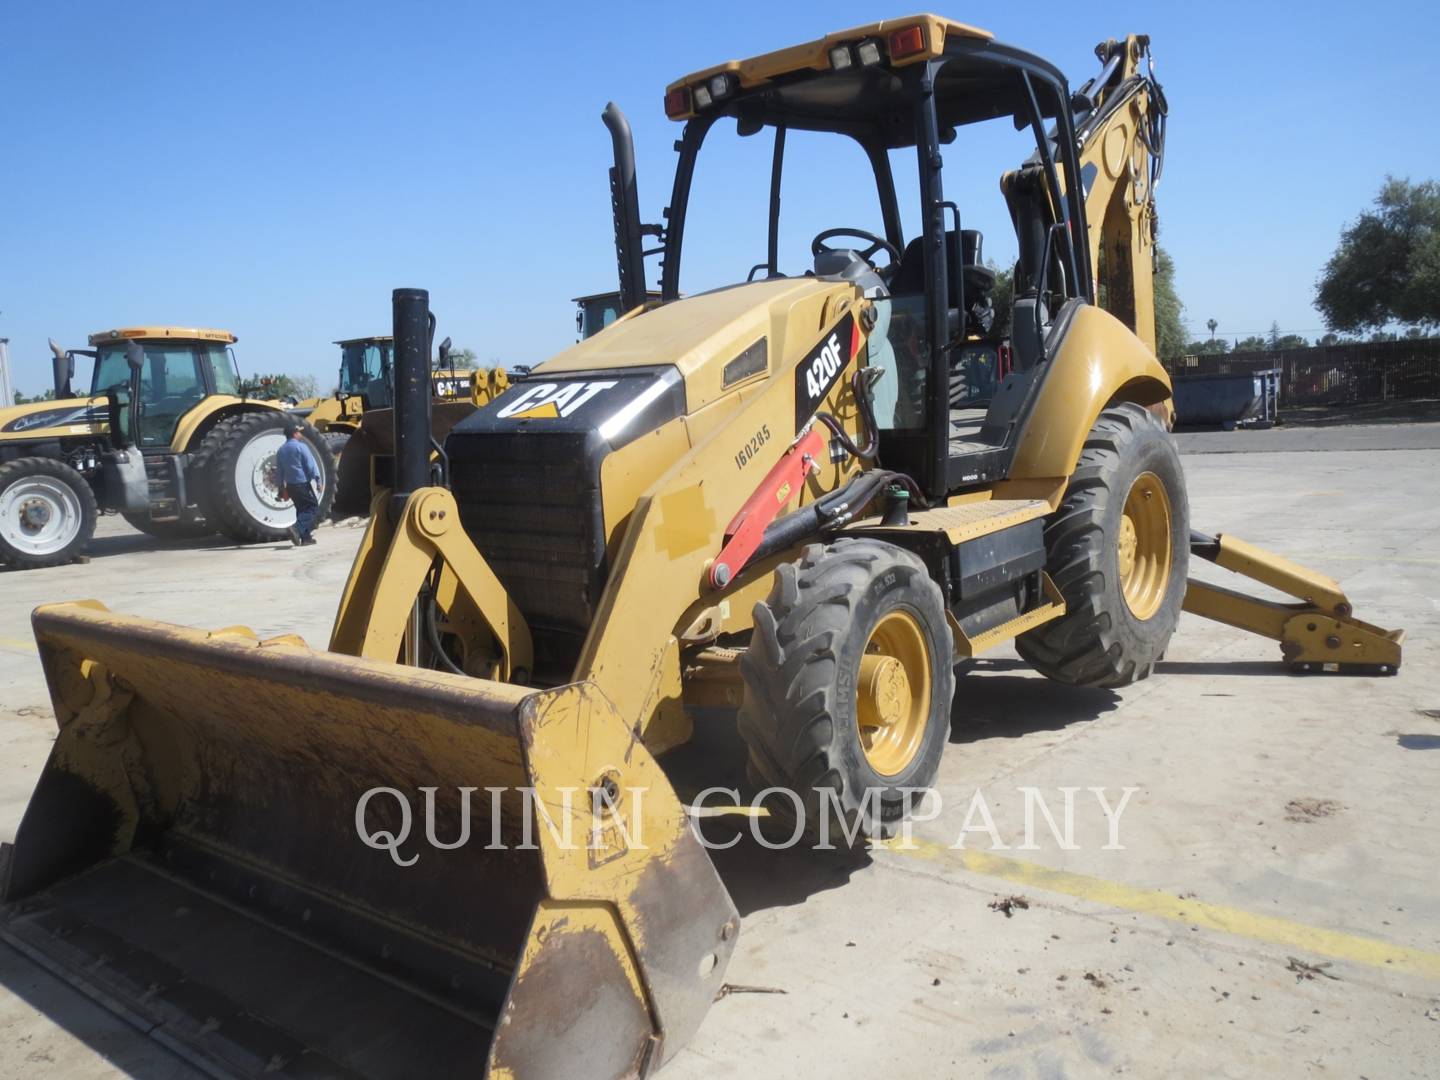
<point>335,442</point>
<point>848,682</point>
<point>190,527</point>
<point>240,486</point>
<point>1118,548</point>
<point>47,513</point>
<point>352,471</point>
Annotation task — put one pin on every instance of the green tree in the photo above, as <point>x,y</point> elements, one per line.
<point>1415,333</point>
<point>1003,296</point>
<point>1207,347</point>
<point>279,387</point>
<point>463,360</point>
<point>1253,343</point>
<point>1169,311</point>
<point>1387,265</point>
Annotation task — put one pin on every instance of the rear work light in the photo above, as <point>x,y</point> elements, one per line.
<point>677,102</point>
<point>720,86</point>
<point>840,58</point>
<point>907,42</point>
<point>868,52</point>
<point>702,97</point>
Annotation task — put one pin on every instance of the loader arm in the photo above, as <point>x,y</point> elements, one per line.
<point>1317,634</point>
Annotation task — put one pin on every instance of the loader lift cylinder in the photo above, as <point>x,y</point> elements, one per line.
<point>412,327</point>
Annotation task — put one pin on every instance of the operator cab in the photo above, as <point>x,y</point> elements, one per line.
<point>182,367</point>
<point>938,110</point>
<point>365,370</point>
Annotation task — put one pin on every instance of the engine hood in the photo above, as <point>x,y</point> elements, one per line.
<point>53,419</point>
<point>700,335</point>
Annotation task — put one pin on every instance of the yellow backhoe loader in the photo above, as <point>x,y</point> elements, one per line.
<point>756,492</point>
<point>165,436</point>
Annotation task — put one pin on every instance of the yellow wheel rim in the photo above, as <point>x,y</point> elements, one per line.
<point>892,693</point>
<point>1144,547</point>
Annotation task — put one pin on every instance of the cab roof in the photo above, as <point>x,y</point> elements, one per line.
<point>373,338</point>
<point>815,55</point>
<point>161,333</point>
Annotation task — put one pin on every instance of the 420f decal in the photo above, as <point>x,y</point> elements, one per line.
<point>820,370</point>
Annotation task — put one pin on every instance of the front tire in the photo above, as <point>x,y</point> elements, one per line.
<point>849,678</point>
<point>47,513</point>
<point>240,487</point>
<point>1118,549</point>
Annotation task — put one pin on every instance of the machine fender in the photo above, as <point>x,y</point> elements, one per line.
<point>194,424</point>
<point>1097,361</point>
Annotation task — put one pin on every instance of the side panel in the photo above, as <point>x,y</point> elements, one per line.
<point>1098,361</point>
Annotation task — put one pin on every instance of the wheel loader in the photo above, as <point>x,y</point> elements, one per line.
<point>164,436</point>
<point>364,451</point>
<point>366,373</point>
<point>756,494</point>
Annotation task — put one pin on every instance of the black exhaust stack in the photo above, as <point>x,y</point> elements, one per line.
<point>625,203</point>
<point>413,326</point>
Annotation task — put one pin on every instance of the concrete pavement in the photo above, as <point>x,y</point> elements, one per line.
<point>1276,825</point>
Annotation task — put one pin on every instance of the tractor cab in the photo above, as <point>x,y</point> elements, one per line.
<point>888,143</point>
<point>180,368</point>
<point>365,370</point>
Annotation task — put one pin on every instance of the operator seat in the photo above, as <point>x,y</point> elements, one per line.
<point>979,279</point>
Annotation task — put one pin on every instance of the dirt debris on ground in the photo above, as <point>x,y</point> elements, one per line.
<point>1008,904</point>
<point>1304,811</point>
<point>1304,970</point>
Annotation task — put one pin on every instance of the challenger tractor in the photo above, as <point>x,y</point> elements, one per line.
<point>164,436</point>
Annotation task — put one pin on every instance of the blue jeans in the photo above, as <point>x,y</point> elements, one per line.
<point>307,509</point>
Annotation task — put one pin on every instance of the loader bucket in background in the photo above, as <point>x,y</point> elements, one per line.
<point>191,858</point>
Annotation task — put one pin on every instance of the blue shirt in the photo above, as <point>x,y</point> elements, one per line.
<point>296,463</point>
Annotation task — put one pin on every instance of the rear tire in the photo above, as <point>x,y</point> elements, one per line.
<point>1118,549</point>
<point>848,682</point>
<point>47,513</point>
<point>240,488</point>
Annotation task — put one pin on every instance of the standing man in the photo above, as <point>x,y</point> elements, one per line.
<point>300,479</point>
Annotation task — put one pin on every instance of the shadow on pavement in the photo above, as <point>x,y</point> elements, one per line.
<point>990,704</point>
<point>122,1047</point>
<point>1220,667</point>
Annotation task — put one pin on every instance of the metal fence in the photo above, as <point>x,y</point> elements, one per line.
<point>1336,374</point>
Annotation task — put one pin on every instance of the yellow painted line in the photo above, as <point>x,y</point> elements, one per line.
<point>17,644</point>
<point>1163,905</point>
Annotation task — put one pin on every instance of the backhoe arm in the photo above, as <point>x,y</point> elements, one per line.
<point>1120,126</point>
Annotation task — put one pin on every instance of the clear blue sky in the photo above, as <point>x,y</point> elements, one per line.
<point>276,169</point>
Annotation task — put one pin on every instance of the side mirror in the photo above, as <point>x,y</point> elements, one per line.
<point>134,355</point>
<point>445,353</point>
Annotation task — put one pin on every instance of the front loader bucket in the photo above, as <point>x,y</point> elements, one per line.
<point>192,857</point>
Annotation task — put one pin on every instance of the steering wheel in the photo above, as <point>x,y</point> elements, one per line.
<point>877,243</point>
